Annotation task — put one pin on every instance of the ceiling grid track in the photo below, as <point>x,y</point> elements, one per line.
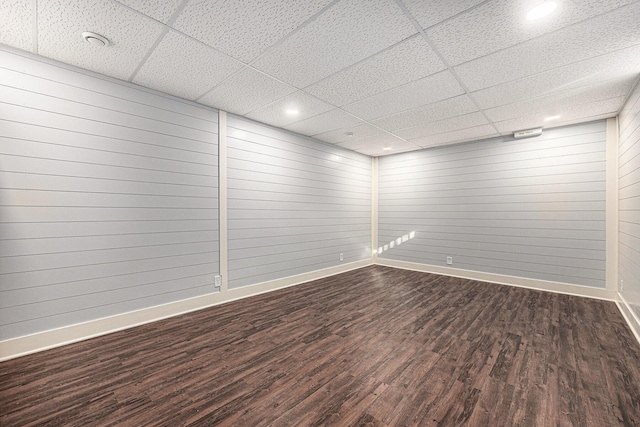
<point>167,27</point>
<point>445,62</point>
<point>381,78</point>
<point>270,48</point>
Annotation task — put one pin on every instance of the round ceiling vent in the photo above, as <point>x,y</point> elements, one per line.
<point>95,39</point>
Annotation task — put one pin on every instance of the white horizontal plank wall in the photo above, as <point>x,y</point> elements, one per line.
<point>629,203</point>
<point>294,204</point>
<point>531,208</point>
<point>108,197</point>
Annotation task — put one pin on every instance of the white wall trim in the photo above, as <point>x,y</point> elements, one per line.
<point>612,205</point>
<point>629,316</point>
<point>52,338</point>
<point>520,282</point>
<point>41,341</point>
<point>374,208</point>
<point>22,346</point>
<point>272,285</point>
<point>222,198</point>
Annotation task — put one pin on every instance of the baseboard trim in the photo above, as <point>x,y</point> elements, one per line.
<point>632,320</point>
<point>272,285</point>
<point>28,344</point>
<point>520,282</point>
<point>22,346</point>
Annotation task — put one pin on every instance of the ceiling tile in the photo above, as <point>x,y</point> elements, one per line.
<point>430,12</point>
<point>576,113</point>
<point>359,131</point>
<point>462,135</point>
<point>61,23</point>
<point>624,63</point>
<point>442,126</point>
<point>379,150</point>
<point>331,120</point>
<point>374,145</point>
<point>409,60</point>
<point>429,113</point>
<point>246,91</point>
<point>346,33</point>
<point>556,103</point>
<point>260,57</point>
<point>244,29</point>
<point>499,24</point>
<point>184,67</point>
<point>160,10</point>
<point>617,30</point>
<point>417,93</point>
<point>16,23</point>
<point>275,114</point>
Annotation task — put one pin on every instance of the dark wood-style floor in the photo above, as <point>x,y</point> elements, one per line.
<point>372,347</point>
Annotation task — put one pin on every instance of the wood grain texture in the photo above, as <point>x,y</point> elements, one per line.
<point>373,347</point>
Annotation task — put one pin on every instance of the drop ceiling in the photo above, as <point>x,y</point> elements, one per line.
<point>365,75</point>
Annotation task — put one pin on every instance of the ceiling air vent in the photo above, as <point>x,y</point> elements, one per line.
<point>95,39</point>
<point>527,133</point>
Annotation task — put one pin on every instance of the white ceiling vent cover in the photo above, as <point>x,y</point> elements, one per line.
<point>95,39</point>
<point>529,133</point>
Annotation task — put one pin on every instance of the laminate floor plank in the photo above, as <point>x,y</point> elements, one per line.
<point>372,347</point>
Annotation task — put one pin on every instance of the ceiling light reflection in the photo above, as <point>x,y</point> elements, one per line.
<point>541,11</point>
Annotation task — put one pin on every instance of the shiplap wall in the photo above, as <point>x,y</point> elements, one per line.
<point>108,197</point>
<point>293,204</point>
<point>531,208</point>
<point>629,201</point>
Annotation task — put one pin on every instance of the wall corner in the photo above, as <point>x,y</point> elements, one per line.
<point>612,205</point>
<point>374,209</point>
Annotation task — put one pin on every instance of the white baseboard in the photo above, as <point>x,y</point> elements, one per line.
<point>272,285</point>
<point>521,282</point>
<point>21,346</point>
<point>632,320</point>
<point>41,341</point>
<point>52,338</point>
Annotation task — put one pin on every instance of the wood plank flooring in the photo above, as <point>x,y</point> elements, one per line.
<point>372,347</point>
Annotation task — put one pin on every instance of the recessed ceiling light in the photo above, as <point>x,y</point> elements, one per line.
<point>292,112</point>
<point>349,134</point>
<point>546,119</point>
<point>95,39</point>
<point>387,148</point>
<point>541,11</point>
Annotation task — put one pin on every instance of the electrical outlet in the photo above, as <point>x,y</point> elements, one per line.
<point>621,285</point>
<point>341,257</point>
<point>217,281</point>
<point>449,260</point>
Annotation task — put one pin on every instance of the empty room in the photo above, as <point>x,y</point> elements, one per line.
<point>320,213</point>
